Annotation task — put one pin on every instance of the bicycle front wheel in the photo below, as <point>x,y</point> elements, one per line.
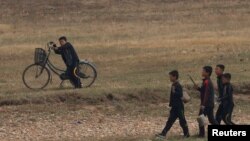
<point>36,76</point>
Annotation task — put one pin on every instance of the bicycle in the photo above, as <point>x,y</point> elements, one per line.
<point>38,75</point>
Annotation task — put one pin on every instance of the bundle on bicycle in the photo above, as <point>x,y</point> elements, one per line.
<point>38,75</point>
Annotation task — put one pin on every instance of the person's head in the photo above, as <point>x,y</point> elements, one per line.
<point>62,40</point>
<point>226,78</point>
<point>207,71</point>
<point>173,75</point>
<point>219,69</point>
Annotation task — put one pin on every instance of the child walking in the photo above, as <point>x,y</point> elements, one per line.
<point>177,107</point>
<point>207,99</point>
<point>227,99</point>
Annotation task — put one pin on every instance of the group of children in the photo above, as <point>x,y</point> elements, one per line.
<point>207,94</point>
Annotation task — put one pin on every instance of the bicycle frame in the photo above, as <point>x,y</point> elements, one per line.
<point>52,67</point>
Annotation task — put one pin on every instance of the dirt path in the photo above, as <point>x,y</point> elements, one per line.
<point>83,124</point>
<point>25,127</point>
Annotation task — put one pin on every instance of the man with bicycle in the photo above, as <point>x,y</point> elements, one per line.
<point>71,60</point>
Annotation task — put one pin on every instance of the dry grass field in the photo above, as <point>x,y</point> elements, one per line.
<point>133,43</point>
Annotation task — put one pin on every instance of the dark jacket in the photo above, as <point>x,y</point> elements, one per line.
<point>207,93</point>
<point>176,96</point>
<point>68,54</point>
<point>220,86</point>
<point>227,98</point>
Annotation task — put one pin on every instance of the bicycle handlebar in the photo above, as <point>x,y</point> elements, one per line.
<point>50,45</point>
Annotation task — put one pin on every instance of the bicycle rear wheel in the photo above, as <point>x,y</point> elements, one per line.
<point>87,73</point>
<point>36,76</point>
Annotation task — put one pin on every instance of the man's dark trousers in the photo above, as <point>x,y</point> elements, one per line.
<point>176,112</point>
<point>219,113</point>
<point>72,73</point>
